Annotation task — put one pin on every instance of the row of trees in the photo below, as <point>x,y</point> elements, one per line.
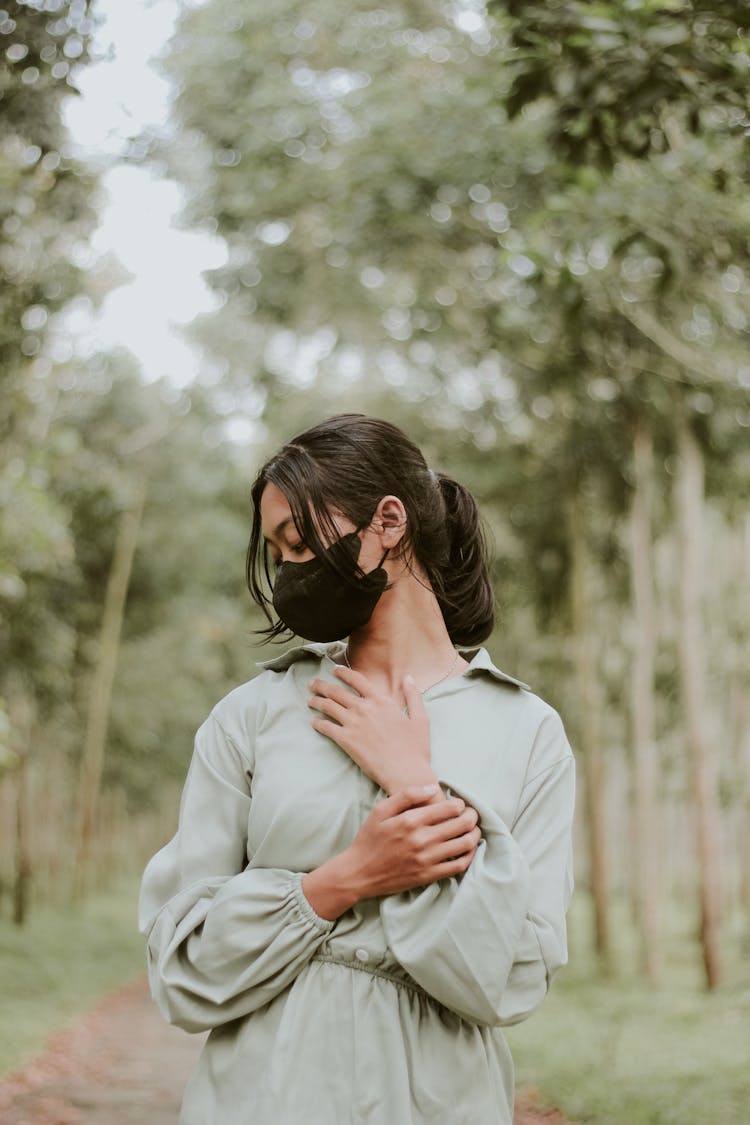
<point>521,234</point>
<point>110,490</point>
<point>46,219</point>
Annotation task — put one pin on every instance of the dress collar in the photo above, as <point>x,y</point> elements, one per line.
<point>479,659</point>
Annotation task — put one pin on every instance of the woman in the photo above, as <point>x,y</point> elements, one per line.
<point>372,865</point>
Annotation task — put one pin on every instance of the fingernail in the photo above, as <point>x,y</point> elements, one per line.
<point>409,679</point>
<point>429,788</point>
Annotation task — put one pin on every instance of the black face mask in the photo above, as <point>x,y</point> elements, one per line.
<point>316,603</point>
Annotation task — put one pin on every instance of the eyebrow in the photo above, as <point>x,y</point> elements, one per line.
<point>277,530</point>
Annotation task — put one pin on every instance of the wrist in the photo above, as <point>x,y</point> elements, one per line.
<point>334,887</point>
<point>417,773</point>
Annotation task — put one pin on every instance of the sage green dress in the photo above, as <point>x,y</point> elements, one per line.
<point>390,1015</point>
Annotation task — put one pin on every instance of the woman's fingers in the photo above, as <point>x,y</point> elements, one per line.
<point>332,691</point>
<point>356,680</point>
<point>449,817</point>
<point>408,798</point>
<point>450,849</point>
<point>327,707</point>
<point>446,819</point>
<point>452,867</point>
<point>456,826</point>
<point>329,728</point>
<point>451,829</point>
<point>445,810</point>
<point>414,701</point>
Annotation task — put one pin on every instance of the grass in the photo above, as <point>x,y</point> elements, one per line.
<point>57,966</point>
<point>614,1051</point>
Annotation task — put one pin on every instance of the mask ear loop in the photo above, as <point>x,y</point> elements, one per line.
<point>385,554</point>
<point>362,527</point>
<point>367,524</point>
<point>382,560</point>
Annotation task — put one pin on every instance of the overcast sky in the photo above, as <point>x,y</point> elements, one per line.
<point>120,96</point>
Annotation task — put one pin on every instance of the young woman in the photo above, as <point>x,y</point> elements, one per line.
<point>373,861</point>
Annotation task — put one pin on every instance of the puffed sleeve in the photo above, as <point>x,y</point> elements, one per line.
<point>487,944</point>
<point>223,938</point>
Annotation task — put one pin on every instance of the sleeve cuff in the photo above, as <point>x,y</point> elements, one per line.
<point>324,925</point>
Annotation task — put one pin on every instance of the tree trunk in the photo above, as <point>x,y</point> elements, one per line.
<point>744,858</point>
<point>100,697</point>
<point>689,504</point>
<point>744,888</point>
<point>645,762</point>
<point>744,728</point>
<point>591,755</point>
<point>21,718</point>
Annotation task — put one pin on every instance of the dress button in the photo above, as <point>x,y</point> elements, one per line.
<point>362,955</point>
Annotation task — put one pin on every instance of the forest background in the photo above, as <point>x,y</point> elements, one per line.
<point>521,233</point>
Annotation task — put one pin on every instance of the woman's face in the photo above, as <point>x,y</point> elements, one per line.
<point>279,529</point>
<point>283,539</point>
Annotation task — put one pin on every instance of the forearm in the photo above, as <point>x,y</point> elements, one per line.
<point>334,887</point>
<point>404,775</point>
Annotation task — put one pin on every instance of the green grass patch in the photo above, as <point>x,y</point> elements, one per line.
<point>57,966</point>
<point>614,1051</point>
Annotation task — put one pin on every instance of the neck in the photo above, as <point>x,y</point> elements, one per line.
<point>405,635</point>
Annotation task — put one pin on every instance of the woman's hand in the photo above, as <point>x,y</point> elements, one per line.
<point>391,747</point>
<point>407,841</point>
<point>404,843</point>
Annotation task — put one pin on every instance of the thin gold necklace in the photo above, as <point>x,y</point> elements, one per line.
<point>430,686</point>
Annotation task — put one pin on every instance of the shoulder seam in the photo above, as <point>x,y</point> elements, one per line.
<point>240,752</point>
<point>565,758</point>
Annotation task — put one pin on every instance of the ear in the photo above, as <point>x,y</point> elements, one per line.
<point>389,520</point>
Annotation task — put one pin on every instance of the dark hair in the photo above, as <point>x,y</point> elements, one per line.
<point>348,463</point>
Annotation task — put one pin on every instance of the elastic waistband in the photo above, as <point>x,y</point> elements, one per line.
<point>373,971</point>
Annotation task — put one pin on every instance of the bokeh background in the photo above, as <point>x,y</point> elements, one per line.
<point>518,230</point>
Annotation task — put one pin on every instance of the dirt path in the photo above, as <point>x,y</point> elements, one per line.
<point>121,1064</point>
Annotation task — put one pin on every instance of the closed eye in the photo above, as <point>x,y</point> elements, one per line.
<point>295,548</point>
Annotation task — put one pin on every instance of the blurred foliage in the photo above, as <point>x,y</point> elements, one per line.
<point>79,432</point>
<point>46,204</point>
<point>395,209</point>
<point>616,75</point>
<point>46,216</point>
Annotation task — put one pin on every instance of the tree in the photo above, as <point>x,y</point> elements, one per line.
<point>45,214</point>
<point>614,74</point>
<point>639,90</point>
